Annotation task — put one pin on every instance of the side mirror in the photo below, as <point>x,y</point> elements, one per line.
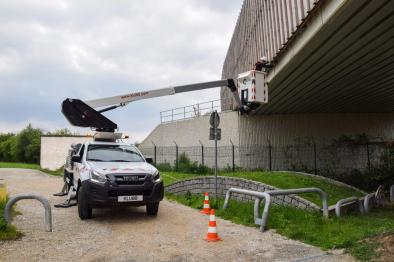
<point>149,160</point>
<point>75,158</point>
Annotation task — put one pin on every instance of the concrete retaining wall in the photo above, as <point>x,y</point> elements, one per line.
<point>203,184</point>
<point>190,131</point>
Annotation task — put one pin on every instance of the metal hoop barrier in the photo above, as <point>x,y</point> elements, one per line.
<point>367,200</point>
<point>259,196</point>
<point>348,200</point>
<point>392,193</point>
<point>267,196</point>
<point>323,195</point>
<point>43,200</point>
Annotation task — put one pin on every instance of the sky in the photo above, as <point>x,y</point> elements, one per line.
<point>54,49</point>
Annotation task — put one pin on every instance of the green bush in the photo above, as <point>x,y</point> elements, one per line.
<point>164,167</point>
<point>22,147</point>
<point>185,165</point>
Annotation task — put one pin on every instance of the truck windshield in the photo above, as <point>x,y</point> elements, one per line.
<point>113,153</point>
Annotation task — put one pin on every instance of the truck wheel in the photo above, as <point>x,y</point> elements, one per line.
<point>84,209</point>
<point>152,209</point>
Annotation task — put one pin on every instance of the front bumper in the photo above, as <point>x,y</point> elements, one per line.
<point>104,195</point>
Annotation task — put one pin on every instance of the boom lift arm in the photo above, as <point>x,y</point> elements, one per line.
<point>83,114</point>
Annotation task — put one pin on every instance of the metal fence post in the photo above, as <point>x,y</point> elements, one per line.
<point>270,156</point>
<point>233,155</point>
<point>154,153</point>
<point>368,157</point>
<point>176,156</point>
<point>202,153</point>
<point>315,157</point>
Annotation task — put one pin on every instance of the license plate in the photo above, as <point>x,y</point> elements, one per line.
<point>130,198</point>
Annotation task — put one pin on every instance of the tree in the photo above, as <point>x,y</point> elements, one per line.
<point>28,145</point>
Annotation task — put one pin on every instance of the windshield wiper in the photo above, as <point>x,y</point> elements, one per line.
<point>95,160</point>
<point>119,160</point>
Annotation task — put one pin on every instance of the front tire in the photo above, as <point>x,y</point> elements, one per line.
<point>152,209</point>
<point>84,209</point>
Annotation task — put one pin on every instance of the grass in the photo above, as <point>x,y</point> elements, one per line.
<point>283,180</point>
<point>58,172</point>
<point>19,165</point>
<point>309,227</point>
<point>7,232</point>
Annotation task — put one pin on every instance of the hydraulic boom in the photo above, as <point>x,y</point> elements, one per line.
<point>83,114</point>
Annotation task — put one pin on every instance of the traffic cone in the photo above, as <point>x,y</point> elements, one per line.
<point>212,235</point>
<point>206,208</point>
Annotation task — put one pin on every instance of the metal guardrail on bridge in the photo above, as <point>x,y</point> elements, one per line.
<point>191,111</point>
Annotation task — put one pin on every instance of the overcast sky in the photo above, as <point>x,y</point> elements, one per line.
<point>52,49</point>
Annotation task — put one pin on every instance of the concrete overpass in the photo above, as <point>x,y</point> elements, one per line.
<point>333,74</point>
<point>338,59</point>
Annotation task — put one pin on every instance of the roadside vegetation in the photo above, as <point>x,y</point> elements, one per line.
<point>58,172</point>
<point>6,232</point>
<point>359,235</point>
<point>283,180</point>
<point>24,147</point>
<point>346,232</point>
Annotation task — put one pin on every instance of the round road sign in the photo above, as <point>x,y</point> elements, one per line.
<point>214,120</point>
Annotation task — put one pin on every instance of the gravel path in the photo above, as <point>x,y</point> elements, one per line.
<point>129,235</point>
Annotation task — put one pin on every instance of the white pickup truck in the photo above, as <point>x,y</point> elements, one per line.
<point>108,174</point>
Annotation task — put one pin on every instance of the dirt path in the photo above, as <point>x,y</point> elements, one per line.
<point>129,235</point>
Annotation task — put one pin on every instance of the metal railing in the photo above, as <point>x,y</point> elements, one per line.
<point>259,196</point>
<point>43,200</point>
<point>392,193</point>
<point>266,195</point>
<point>348,200</point>
<point>191,111</point>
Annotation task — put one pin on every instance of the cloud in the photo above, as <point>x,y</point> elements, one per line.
<point>52,49</point>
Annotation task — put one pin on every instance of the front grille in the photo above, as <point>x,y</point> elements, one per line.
<point>130,179</point>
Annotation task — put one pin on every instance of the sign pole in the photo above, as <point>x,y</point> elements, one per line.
<point>216,158</point>
<point>215,134</point>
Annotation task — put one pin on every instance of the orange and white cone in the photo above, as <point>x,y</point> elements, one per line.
<point>206,208</point>
<point>212,235</point>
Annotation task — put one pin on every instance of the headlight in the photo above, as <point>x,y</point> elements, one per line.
<point>156,177</point>
<point>97,177</point>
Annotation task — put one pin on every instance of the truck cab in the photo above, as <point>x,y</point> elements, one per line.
<point>107,174</point>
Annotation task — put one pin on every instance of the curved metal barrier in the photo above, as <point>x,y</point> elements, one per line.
<point>392,193</point>
<point>43,200</point>
<point>323,195</point>
<point>259,196</point>
<point>367,200</point>
<point>267,196</point>
<point>264,217</point>
<point>348,200</point>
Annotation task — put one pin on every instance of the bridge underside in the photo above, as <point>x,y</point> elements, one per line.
<point>344,66</point>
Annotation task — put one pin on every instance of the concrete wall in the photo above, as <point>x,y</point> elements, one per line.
<point>54,150</point>
<point>251,130</point>
<point>285,129</point>
<point>189,132</point>
<point>203,184</point>
<point>252,134</point>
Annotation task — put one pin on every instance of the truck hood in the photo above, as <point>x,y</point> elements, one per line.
<point>119,167</point>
